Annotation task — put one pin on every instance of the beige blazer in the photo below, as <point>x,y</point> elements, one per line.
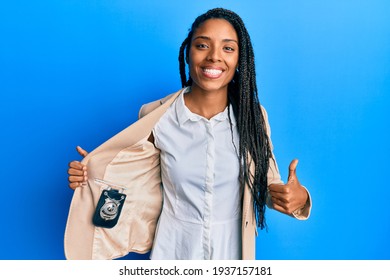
<point>128,161</point>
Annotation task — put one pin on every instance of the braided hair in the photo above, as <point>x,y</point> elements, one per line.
<point>254,144</point>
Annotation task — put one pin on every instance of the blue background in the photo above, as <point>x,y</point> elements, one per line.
<point>75,72</point>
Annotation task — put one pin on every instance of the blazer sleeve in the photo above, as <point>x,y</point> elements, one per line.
<point>274,177</point>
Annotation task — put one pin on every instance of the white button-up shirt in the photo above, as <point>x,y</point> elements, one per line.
<point>201,215</point>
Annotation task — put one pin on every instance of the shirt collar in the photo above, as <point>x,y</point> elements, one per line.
<point>184,114</point>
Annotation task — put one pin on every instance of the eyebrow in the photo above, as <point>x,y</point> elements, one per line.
<point>208,38</point>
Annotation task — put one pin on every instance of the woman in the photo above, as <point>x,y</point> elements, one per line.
<point>218,171</point>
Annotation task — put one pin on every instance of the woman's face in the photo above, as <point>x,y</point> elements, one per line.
<point>213,55</point>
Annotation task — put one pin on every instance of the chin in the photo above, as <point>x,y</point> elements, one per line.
<point>211,86</point>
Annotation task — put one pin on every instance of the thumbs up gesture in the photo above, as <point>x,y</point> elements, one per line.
<point>291,196</point>
<point>77,171</point>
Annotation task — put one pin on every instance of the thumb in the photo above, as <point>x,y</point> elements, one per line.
<point>292,170</point>
<point>81,151</point>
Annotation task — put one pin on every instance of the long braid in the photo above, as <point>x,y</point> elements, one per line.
<point>254,144</point>
<point>182,65</point>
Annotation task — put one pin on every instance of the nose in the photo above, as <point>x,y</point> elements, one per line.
<point>214,55</point>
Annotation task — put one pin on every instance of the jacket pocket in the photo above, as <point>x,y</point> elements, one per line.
<point>136,170</point>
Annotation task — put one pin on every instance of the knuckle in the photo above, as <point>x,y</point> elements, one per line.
<point>287,206</point>
<point>289,209</point>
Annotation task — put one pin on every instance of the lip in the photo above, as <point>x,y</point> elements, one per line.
<point>212,72</point>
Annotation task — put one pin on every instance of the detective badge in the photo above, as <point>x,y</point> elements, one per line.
<point>109,208</point>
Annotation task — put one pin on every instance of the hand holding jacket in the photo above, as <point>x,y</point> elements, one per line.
<point>77,171</point>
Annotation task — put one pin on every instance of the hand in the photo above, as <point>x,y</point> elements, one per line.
<point>291,196</point>
<point>77,171</point>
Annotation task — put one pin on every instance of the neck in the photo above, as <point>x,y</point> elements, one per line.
<point>206,103</point>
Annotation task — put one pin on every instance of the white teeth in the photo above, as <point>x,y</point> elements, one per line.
<point>212,71</point>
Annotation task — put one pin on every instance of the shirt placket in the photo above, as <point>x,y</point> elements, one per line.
<point>209,183</point>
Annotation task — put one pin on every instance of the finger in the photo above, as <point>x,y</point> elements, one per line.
<point>81,151</point>
<point>284,207</point>
<point>77,172</point>
<point>73,179</point>
<point>279,207</point>
<point>284,197</point>
<point>277,188</point>
<point>292,169</point>
<point>74,185</point>
<point>77,165</point>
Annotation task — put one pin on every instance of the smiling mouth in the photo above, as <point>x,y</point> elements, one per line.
<point>212,73</point>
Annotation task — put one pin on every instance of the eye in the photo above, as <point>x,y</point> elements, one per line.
<point>201,46</point>
<point>229,49</point>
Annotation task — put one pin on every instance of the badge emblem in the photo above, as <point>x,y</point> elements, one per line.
<point>109,210</point>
